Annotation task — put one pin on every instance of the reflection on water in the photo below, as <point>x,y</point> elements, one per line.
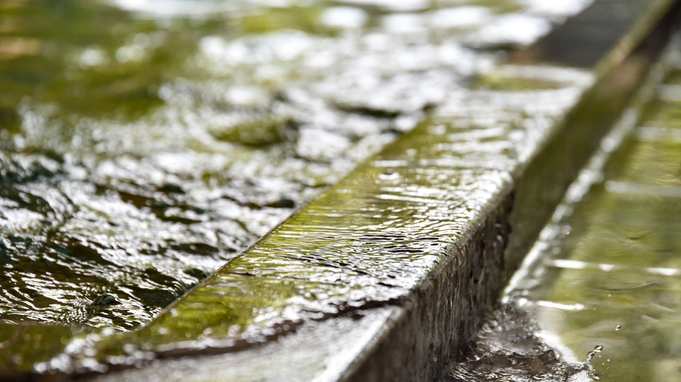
<point>606,273</point>
<point>144,143</point>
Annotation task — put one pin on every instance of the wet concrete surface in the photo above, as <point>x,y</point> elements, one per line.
<point>432,206</point>
<point>138,141</point>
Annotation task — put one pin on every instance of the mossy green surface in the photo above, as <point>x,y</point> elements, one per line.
<point>370,240</point>
<point>25,345</point>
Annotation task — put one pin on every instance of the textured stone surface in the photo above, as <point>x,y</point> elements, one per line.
<point>138,160</point>
<point>408,247</point>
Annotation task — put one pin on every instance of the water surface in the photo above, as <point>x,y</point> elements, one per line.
<point>145,143</point>
<point>606,274</point>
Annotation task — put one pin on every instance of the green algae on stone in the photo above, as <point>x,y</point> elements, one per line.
<point>400,211</point>
<point>145,138</point>
<point>411,214</point>
<point>272,19</point>
<point>306,270</point>
<point>496,82</point>
<point>253,130</point>
<point>22,346</point>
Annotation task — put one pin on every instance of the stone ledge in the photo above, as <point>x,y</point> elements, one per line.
<point>387,274</point>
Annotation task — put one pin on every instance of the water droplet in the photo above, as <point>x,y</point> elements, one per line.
<point>389,174</point>
<point>590,355</point>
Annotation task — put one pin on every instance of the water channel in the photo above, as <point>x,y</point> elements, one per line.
<point>598,296</point>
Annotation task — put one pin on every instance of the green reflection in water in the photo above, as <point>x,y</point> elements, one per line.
<point>613,276</point>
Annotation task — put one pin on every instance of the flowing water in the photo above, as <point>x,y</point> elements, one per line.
<point>145,143</point>
<point>603,282</point>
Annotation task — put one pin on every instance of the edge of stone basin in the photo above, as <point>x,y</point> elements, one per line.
<point>343,290</point>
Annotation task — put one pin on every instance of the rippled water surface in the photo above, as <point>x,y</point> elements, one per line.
<point>606,275</point>
<point>145,143</point>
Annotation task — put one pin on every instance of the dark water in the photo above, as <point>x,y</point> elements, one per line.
<point>145,143</point>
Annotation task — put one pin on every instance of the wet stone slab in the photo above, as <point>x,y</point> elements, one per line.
<point>137,161</point>
<point>307,269</point>
<point>413,237</point>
